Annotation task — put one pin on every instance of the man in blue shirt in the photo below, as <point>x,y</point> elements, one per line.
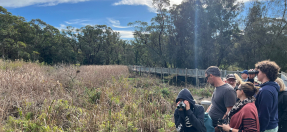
<point>244,75</point>
<point>267,97</point>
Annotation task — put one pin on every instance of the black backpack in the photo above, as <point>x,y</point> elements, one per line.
<point>282,111</point>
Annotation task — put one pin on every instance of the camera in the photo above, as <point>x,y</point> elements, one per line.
<point>181,105</point>
<point>220,122</point>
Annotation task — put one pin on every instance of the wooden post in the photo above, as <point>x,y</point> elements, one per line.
<point>149,71</point>
<point>185,77</point>
<point>224,73</point>
<point>196,77</point>
<point>161,74</point>
<point>176,77</point>
<point>155,71</point>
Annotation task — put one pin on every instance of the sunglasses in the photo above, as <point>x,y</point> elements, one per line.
<point>206,78</point>
<point>237,89</point>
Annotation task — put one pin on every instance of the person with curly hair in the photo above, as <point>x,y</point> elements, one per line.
<point>267,97</point>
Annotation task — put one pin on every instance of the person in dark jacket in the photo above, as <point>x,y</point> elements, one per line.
<point>267,97</point>
<point>251,75</point>
<point>190,119</point>
<point>282,106</point>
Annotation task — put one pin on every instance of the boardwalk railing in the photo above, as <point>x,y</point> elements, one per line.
<point>196,73</point>
<point>177,71</point>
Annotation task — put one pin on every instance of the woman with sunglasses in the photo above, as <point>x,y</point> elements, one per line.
<point>243,116</point>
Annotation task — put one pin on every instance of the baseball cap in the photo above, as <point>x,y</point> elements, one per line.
<point>230,76</point>
<point>214,70</point>
<point>244,71</point>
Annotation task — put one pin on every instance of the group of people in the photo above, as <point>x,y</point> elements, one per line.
<point>255,103</point>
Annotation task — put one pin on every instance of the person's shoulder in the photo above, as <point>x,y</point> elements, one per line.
<point>250,105</point>
<point>199,111</point>
<point>227,86</point>
<point>176,111</point>
<point>249,108</point>
<point>266,90</point>
<point>283,92</point>
<point>199,108</point>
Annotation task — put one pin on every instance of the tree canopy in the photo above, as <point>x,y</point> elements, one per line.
<point>193,34</point>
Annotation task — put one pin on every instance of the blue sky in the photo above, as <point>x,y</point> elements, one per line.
<point>78,13</point>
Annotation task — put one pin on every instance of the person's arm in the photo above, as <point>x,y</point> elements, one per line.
<point>249,125</point>
<point>228,110</point>
<point>229,100</point>
<point>226,128</point>
<point>208,109</point>
<point>264,108</point>
<point>195,119</point>
<point>177,120</point>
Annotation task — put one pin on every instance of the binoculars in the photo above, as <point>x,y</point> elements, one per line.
<point>181,105</point>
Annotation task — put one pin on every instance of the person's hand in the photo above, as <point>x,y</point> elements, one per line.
<point>177,105</point>
<point>187,105</point>
<point>225,127</point>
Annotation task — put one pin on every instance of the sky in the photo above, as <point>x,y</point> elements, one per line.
<point>79,13</point>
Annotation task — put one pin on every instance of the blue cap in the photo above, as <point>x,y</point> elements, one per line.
<point>244,71</point>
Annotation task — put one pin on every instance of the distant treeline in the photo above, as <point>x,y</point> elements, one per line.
<point>194,34</point>
<point>37,40</point>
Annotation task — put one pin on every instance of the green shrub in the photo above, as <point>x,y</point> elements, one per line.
<point>165,92</point>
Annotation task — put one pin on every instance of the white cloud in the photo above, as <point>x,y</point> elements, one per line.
<point>62,27</point>
<point>82,22</point>
<point>116,23</point>
<point>76,21</point>
<point>144,2</point>
<point>148,3</point>
<point>23,3</point>
<point>125,34</point>
<point>248,0</point>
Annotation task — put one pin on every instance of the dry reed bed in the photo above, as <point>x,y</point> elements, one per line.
<point>35,97</point>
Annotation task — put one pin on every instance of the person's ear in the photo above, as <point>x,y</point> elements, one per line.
<point>210,75</point>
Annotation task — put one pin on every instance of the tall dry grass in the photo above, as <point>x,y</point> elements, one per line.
<point>35,97</point>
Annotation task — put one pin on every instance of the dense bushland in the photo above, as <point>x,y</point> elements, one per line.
<point>36,97</point>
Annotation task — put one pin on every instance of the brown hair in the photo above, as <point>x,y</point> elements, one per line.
<point>249,89</point>
<point>214,70</point>
<point>281,84</point>
<point>270,68</point>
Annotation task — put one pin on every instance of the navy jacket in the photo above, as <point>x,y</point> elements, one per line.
<point>191,120</point>
<point>267,105</point>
